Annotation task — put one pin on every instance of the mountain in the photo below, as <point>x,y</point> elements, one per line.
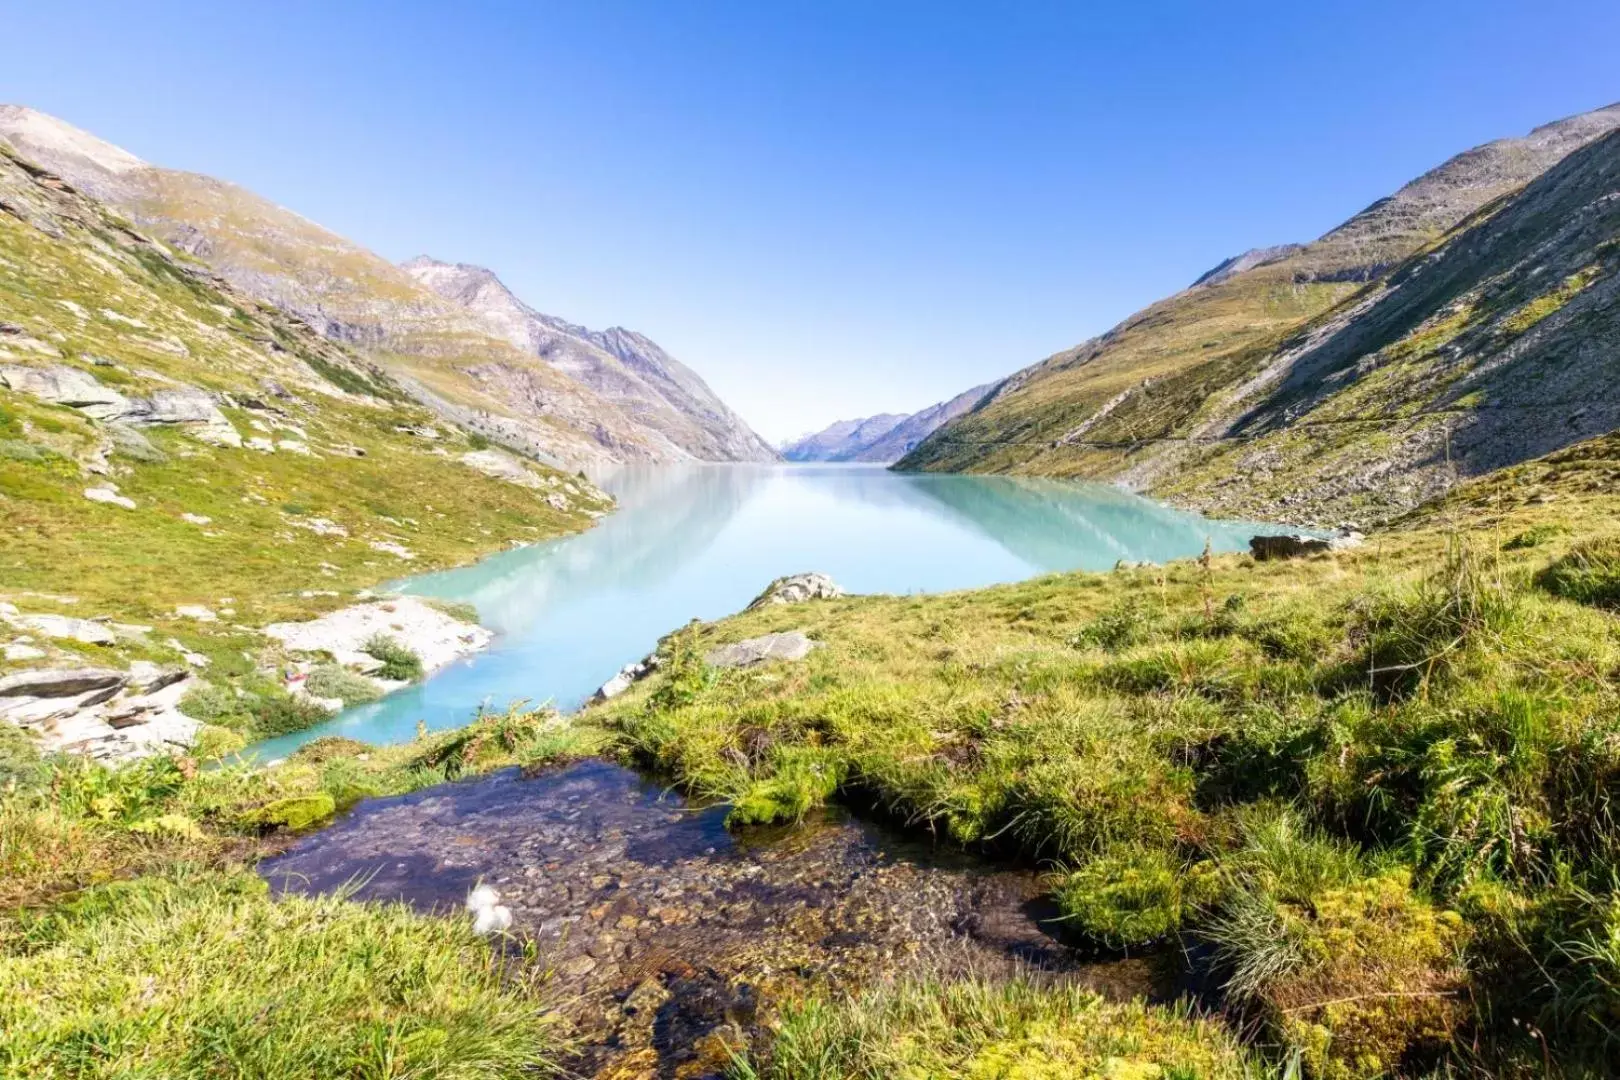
<point>188,463</point>
<point>884,438</point>
<point>1311,382</point>
<point>621,366</point>
<point>436,350</point>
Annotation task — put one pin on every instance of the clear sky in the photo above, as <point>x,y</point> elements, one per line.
<point>830,208</point>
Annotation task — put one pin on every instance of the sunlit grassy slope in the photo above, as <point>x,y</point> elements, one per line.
<point>1375,786</point>
<point>1325,383</point>
<point>335,459</point>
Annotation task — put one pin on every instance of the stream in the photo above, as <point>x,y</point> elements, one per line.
<point>672,938</point>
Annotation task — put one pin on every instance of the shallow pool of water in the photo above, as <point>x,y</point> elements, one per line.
<point>701,541</point>
<point>665,929</point>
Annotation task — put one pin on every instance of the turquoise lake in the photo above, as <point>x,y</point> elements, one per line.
<point>702,541</point>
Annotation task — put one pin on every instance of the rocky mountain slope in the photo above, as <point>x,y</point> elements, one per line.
<point>884,438</point>
<point>621,366</point>
<point>434,349</point>
<point>182,464</point>
<point>1431,304</point>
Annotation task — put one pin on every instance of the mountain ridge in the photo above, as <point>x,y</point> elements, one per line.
<point>1117,406</point>
<point>884,438</point>
<point>438,352</point>
<point>623,366</point>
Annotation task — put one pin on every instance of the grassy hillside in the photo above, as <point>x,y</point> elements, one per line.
<point>1319,383</point>
<point>1371,792</point>
<point>471,376</point>
<point>1368,796</point>
<point>300,475</point>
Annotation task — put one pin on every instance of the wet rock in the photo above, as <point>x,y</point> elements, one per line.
<point>796,589</point>
<point>670,934</point>
<point>791,645</point>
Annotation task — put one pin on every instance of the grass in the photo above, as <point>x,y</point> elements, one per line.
<point>1317,767</point>
<point>252,535</point>
<point>198,974</point>
<point>399,663</point>
<point>1023,1027</point>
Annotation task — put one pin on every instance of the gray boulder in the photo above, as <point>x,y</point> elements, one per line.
<point>1298,545</point>
<point>791,645</point>
<point>796,589</point>
<point>60,682</point>
<point>63,385</point>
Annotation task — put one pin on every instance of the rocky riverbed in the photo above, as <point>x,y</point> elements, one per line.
<point>673,939</point>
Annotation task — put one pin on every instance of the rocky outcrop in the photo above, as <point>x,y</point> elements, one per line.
<point>790,645</point>
<point>437,638</point>
<point>100,712</point>
<point>797,589</point>
<point>1299,545</point>
<point>60,384</point>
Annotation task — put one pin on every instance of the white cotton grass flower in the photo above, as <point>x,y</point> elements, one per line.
<point>492,920</point>
<point>489,915</point>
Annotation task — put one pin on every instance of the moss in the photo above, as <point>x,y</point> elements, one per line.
<point>294,813</point>
<point>1132,897</point>
<point>1020,1028</point>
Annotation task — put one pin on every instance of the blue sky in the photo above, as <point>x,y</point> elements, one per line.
<point>828,209</point>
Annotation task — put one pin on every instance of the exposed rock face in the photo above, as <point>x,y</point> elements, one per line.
<point>622,366</point>
<point>439,639</point>
<point>791,645</point>
<point>78,389</point>
<point>796,589</point>
<point>479,379</point>
<point>627,677</point>
<point>108,715</point>
<point>885,438</point>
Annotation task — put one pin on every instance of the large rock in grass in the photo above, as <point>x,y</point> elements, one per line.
<point>1265,548</point>
<point>60,682</point>
<point>796,589</point>
<point>792,645</point>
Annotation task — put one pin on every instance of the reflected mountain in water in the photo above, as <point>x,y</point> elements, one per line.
<point>701,541</point>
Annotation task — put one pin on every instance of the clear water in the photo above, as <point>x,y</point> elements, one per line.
<point>702,541</point>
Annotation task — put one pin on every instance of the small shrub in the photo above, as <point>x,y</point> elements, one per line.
<point>477,440</point>
<point>215,743</point>
<point>211,703</point>
<point>21,768</point>
<point>399,662</point>
<point>329,748</point>
<point>1589,574</point>
<point>1535,536</point>
<point>276,712</point>
<point>336,681</point>
<point>26,452</point>
<point>1125,624</point>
